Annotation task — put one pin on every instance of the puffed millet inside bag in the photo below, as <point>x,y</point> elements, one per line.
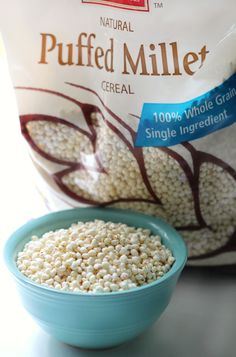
<point>125,104</point>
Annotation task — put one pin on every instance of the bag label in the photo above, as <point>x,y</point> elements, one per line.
<point>137,5</point>
<point>168,124</point>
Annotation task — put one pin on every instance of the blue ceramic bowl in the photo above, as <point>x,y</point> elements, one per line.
<point>95,320</point>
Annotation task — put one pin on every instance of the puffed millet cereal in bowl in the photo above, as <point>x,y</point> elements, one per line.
<point>96,257</point>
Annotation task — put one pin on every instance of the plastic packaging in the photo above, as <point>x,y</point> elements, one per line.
<point>132,105</point>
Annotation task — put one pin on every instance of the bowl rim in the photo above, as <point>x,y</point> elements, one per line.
<point>165,231</point>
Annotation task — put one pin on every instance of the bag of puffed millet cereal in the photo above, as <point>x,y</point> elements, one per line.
<point>132,104</point>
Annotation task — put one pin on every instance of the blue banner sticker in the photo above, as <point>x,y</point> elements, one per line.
<point>168,124</point>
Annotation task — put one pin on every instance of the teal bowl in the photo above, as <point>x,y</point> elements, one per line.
<point>90,320</point>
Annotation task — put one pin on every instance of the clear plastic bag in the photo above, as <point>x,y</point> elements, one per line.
<point>132,105</point>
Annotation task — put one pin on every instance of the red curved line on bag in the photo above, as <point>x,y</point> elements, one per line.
<point>47,156</point>
<point>215,160</point>
<point>188,228</point>
<point>199,158</point>
<point>83,106</point>
<point>24,119</point>
<point>134,115</point>
<point>94,135</point>
<point>51,92</point>
<point>192,184</point>
<point>58,179</point>
<point>137,153</point>
<point>132,132</point>
<point>128,200</point>
<point>140,159</point>
<point>229,246</point>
